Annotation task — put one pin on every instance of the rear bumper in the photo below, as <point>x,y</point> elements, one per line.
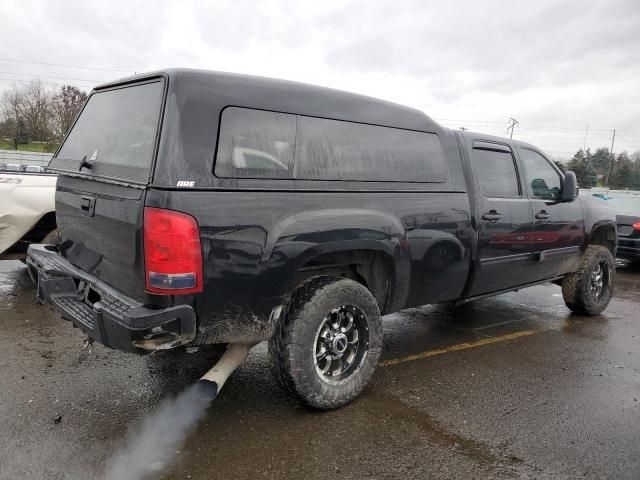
<point>102,312</point>
<point>628,248</point>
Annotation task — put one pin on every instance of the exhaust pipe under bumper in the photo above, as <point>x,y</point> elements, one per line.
<point>212,382</point>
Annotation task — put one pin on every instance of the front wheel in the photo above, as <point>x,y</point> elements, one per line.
<point>588,291</point>
<point>328,341</point>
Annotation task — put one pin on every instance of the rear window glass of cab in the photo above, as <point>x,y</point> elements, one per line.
<point>263,144</point>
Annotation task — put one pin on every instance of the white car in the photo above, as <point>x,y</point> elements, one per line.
<point>27,211</point>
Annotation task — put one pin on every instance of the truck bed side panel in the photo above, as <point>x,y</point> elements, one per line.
<point>254,242</point>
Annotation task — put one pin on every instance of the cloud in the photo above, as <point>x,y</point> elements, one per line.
<point>546,63</point>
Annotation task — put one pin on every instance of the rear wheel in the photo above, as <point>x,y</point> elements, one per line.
<point>328,341</point>
<point>588,291</point>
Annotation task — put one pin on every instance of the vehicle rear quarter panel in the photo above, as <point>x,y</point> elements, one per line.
<point>254,242</point>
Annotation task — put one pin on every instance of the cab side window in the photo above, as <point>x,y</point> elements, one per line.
<point>542,177</point>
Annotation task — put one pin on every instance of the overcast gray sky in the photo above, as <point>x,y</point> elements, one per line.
<point>555,64</point>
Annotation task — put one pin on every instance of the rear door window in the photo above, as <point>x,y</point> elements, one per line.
<point>496,171</point>
<point>115,133</point>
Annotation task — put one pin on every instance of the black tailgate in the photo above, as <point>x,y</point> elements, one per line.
<point>101,229</point>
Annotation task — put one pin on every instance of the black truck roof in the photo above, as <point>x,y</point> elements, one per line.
<point>285,96</point>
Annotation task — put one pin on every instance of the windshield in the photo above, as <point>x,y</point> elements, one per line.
<point>625,205</point>
<point>115,133</point>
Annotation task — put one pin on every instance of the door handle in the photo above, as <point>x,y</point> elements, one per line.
<point>87,205</point>
<point>542,215</point>
<point>492,216</point>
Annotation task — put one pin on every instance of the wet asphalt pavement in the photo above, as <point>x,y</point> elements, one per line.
<point>509,387</point>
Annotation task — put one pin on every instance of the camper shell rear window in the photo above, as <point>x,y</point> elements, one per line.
<point>115,135</point>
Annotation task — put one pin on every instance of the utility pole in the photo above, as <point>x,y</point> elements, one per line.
<point>585,137</point>
<point>512,127</point>
<point>613,159</point>
<point>463,128</point>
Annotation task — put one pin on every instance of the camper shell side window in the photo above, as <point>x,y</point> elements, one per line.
<point>262,144</point>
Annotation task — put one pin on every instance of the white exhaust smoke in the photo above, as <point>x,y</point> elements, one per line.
<point>151,446</point>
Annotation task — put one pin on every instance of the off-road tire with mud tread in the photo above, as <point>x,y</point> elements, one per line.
<point>576,288</point>
<point>292,344</point>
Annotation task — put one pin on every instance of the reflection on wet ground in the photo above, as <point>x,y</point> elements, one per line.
<point>513,386</point>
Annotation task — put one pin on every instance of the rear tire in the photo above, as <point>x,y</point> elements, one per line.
<point>327,342</point>
<point>588,291</point>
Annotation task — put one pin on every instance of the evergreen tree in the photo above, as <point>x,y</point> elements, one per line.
<point>601,160</point>
<point>622,176</point>
<point>635,162</point>
<point>560,165</point>
<point>580,165</point>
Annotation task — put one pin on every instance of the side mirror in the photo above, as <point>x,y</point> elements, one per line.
<point>569,187</point>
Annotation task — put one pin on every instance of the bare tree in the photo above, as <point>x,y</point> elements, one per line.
<point>34,105</point>
<point>36,112</point>
<point>14,125</point>
<point>65,104</point>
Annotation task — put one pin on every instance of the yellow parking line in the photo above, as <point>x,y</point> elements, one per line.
<point>457,347</point>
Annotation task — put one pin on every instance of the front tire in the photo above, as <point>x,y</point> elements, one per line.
<point>588,291</point>
<point>328,341</point>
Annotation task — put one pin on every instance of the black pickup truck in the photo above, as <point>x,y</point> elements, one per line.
<point>200,208</point>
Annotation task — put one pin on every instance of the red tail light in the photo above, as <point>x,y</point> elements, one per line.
<point>172,253</point>
<point>636,226</point>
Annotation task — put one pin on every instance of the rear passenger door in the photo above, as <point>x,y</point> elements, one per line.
<point>559,226</point>
<point>505,219</point>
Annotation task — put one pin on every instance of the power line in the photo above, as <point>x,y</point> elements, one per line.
<point>542,127</point>
<point>86,80</point>
<point>602,132</point>
<point>526,126</point>
<point>27,82</point>
<point>568,137</point>
<point>521,125</point>
<point>467,121</point>
<point>65,65</point>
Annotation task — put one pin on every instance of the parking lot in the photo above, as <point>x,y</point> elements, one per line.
<point>509,387</point>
